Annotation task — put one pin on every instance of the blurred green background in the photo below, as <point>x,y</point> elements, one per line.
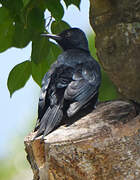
<point>13,164</point>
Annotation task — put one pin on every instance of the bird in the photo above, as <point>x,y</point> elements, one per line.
<point>71,84</point>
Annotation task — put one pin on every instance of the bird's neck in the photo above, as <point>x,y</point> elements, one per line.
<point>81,49</point>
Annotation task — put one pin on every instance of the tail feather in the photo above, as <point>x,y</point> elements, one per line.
<point>54,120</point>
<point>50,120</point>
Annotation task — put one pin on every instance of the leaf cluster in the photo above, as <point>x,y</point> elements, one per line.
<point>22,22</point>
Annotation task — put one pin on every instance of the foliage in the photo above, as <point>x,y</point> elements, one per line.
<point>22,22</point>
<point>16,82</point>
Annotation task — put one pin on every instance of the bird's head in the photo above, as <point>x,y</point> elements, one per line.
<point>72,38</point>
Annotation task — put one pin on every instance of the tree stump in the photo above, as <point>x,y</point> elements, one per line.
<point>103,145</point>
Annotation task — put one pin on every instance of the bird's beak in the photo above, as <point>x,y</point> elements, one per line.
<point>52,36</point>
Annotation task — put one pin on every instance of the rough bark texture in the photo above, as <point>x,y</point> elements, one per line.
<point>117,27</point>
<point>103,145</point>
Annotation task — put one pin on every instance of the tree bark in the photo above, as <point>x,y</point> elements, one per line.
<point>117,27</point>
<point>103,145</point>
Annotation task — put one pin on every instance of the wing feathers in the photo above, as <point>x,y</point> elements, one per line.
<point>66,88</point>
<point>82,89</point>
<point>76,106</point>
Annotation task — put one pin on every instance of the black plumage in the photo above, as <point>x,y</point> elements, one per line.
<point>71,84</point>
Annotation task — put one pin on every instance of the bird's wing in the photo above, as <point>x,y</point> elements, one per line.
<point>51,100</point>
<point>83,87</point>
<point>42,105</point>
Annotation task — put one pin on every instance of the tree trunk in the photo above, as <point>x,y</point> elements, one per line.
<point>103,145</point>
<point>117,27</point>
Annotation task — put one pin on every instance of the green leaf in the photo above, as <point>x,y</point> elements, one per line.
<point>25,2</point>
<point>19,76</point>
<point>21,36</point>
<point>59,26</point>
<point>56,9</point>
<point>4,15</point>
<point>35,22</point>
<point>6,29</point>
<point>13,6</point>
<point>28,27</point>
<point>39,70</point>
<point>74,2</point>
<point>40,49</point>
<point>53,53</point>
